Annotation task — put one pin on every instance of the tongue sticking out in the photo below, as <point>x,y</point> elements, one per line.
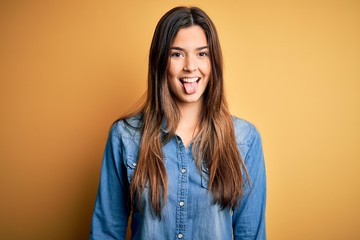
<point>190,87</point>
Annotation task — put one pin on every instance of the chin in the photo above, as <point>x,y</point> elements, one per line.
<point>191,99</point>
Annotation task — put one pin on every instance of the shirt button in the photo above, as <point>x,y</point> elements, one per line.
<point>183,170</point>
<point>181,203</point>
<point>180,235</point>
<point>134,164</point>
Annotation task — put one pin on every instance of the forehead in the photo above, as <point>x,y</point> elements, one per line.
<point>190,37</point>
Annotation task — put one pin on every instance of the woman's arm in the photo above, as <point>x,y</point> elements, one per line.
<point>111,212</point>
<point>249,216</point>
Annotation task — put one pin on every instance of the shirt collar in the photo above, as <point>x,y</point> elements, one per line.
<point>164,126</point>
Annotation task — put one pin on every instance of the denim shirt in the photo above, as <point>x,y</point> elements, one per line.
<point>189,212</point>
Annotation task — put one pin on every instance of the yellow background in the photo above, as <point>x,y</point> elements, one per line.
<point>68,69</point>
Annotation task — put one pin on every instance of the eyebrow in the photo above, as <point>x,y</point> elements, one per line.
<point>182,49</point>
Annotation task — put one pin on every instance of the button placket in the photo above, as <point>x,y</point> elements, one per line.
<point>182,190</point>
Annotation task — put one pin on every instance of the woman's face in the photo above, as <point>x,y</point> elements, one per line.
<point>190,66</point>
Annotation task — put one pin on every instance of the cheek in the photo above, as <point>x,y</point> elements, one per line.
<point>205,67</point>
<point>174,68</point>
<point>206,83</point>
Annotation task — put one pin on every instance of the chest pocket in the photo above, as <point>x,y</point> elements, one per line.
<point>131,163</point>
<point>204,176</point>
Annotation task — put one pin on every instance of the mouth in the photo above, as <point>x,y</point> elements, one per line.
<point>190,84</point>
<point>189,80</point>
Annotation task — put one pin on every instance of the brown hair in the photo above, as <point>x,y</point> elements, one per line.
<point>215,143</point>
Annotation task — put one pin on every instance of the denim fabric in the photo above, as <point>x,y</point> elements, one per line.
<point>189,212</point>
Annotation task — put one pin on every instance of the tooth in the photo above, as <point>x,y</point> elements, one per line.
<point>188,80</point>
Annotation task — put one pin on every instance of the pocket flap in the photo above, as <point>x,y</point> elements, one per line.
<point>131,162</point>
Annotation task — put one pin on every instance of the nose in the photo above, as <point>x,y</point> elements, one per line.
<point>190,64</point>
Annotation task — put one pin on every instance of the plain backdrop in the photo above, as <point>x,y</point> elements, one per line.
<point>68,69</point>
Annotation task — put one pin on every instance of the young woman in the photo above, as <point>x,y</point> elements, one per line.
<point>182,166</point>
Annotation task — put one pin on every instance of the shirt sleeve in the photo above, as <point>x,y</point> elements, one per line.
<point>111,211</point>
<point>249,216</point>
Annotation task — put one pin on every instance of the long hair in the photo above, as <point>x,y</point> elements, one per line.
<point>214,145</point>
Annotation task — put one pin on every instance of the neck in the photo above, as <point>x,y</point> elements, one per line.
<point>189,119</point>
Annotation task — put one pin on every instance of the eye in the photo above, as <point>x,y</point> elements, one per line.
<point>203,54</point>
<point>176,54</point>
